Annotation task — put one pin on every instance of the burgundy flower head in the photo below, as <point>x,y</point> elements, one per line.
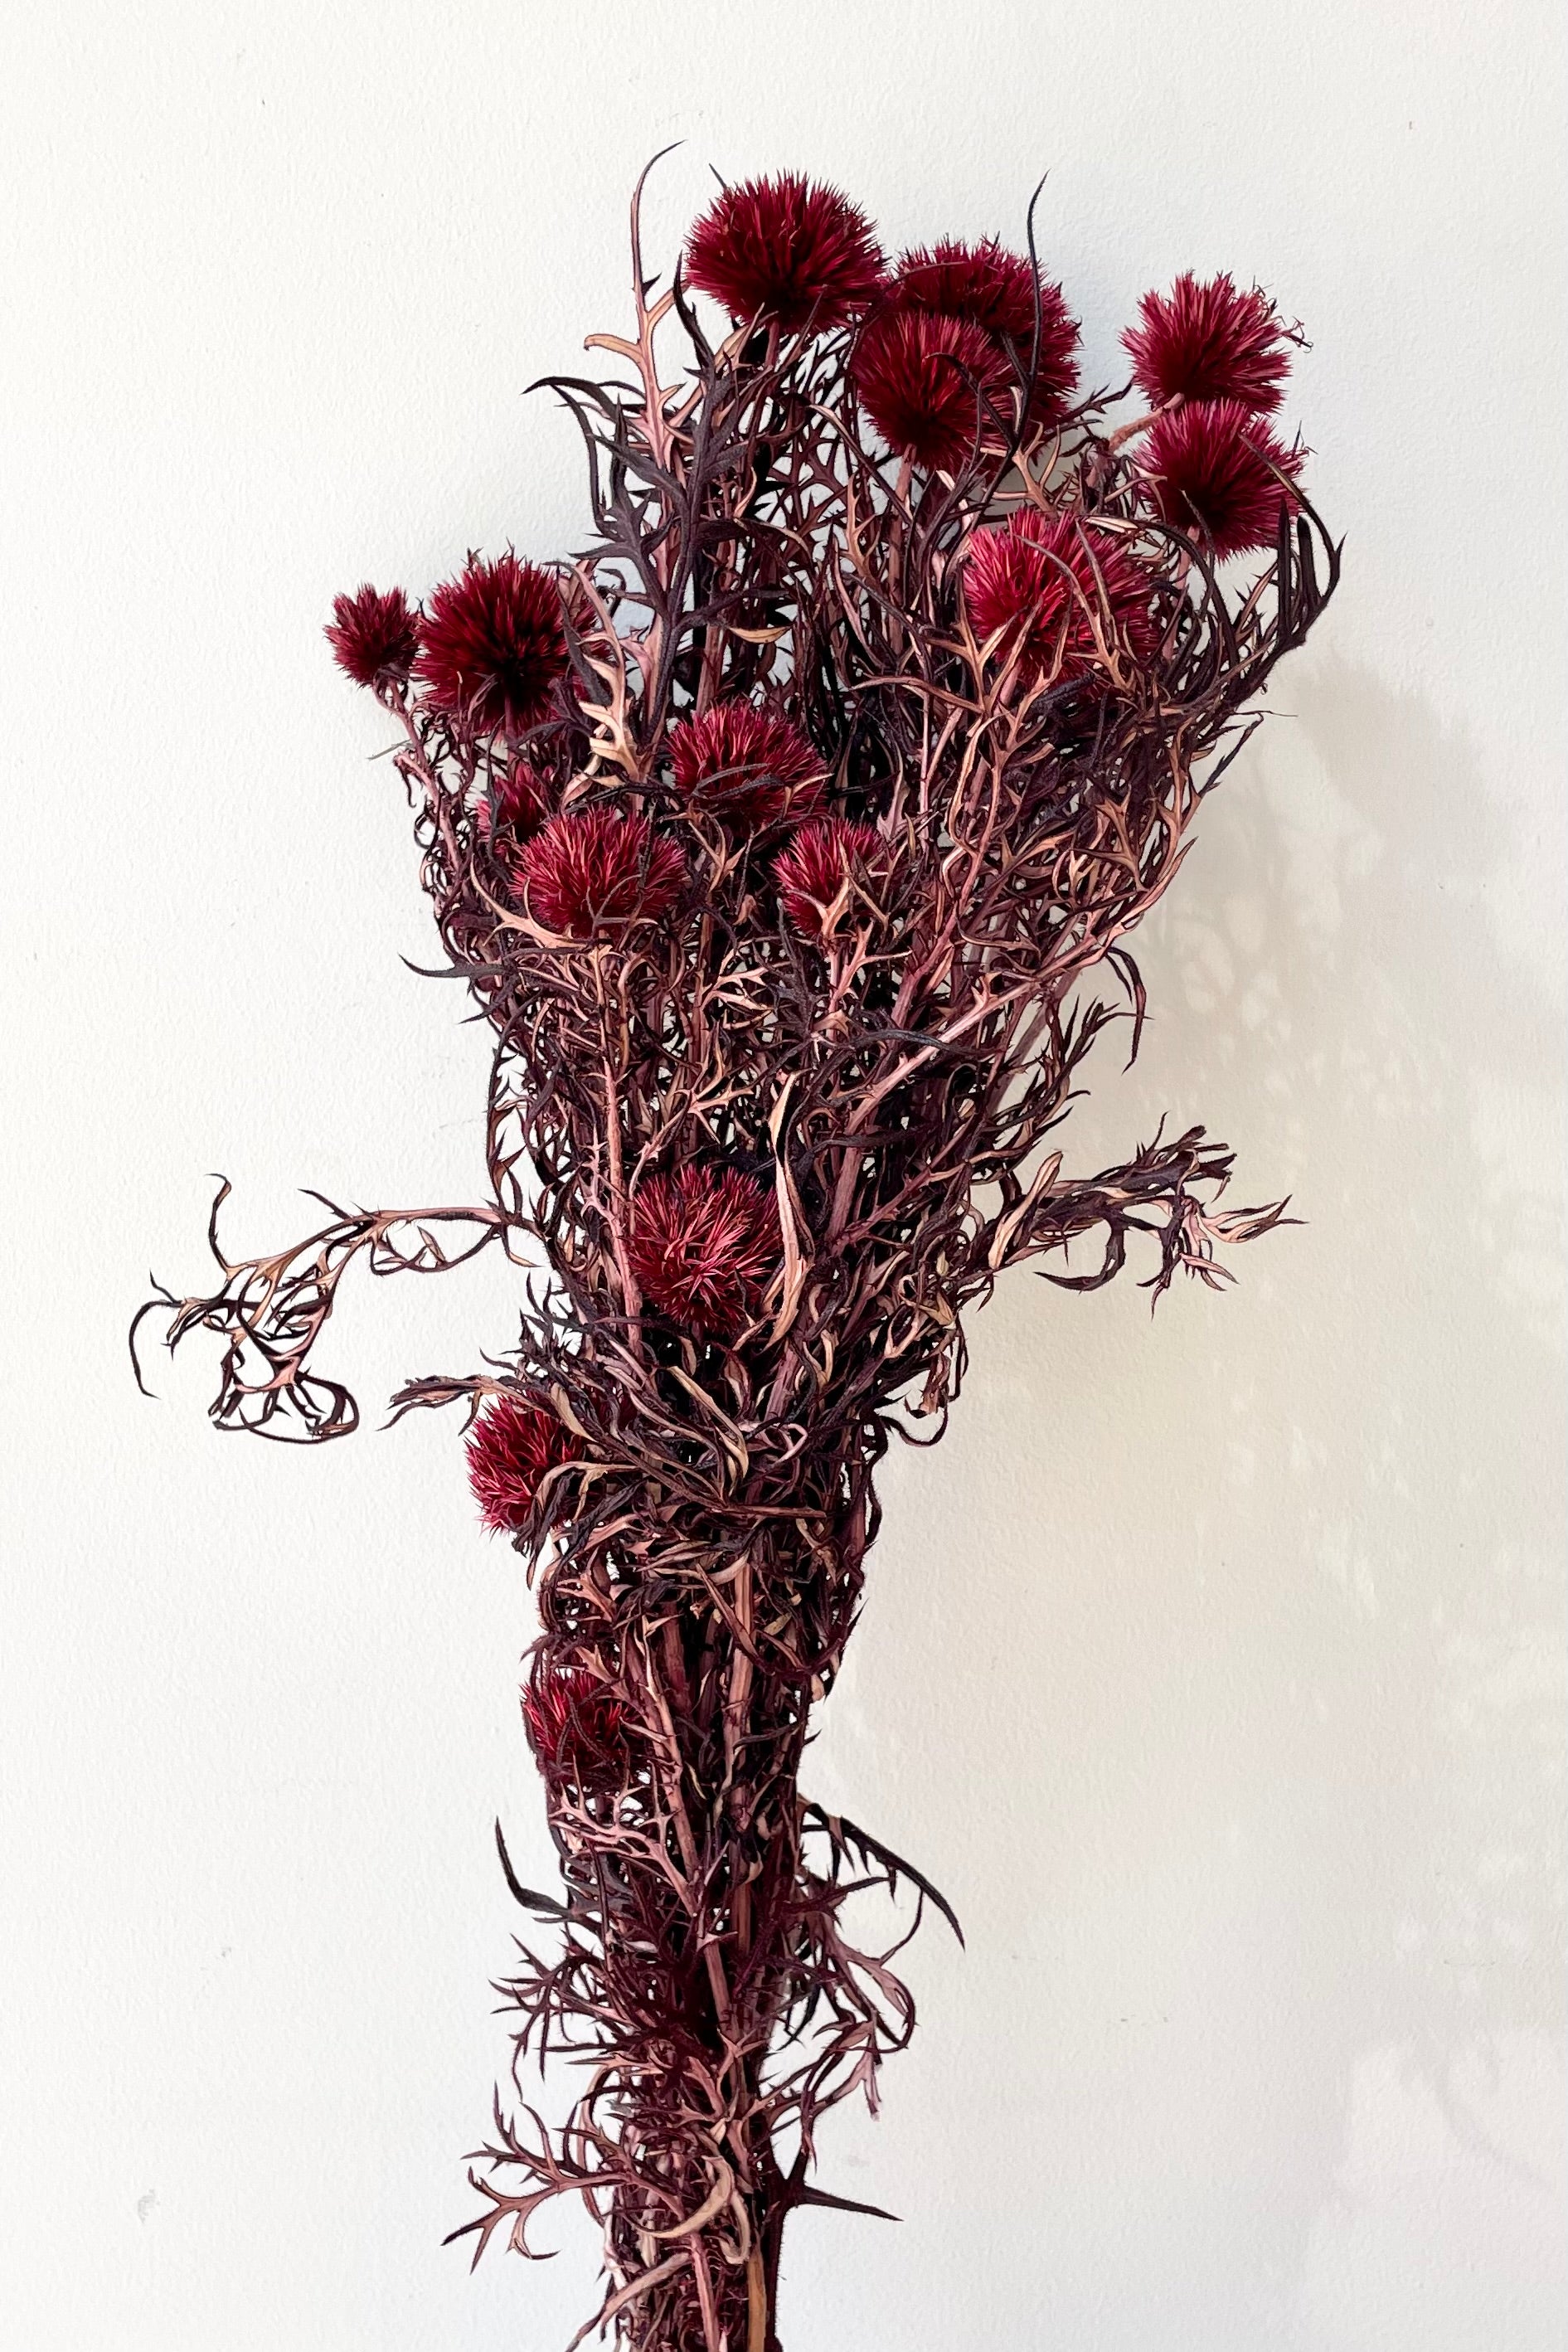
<point>587,874</point>
<point>918,374</point>
<point>515,809</point>
<point>788,249</point>
<point>510,1447</point>
<point>749,767</point>
<point>704,1243</point>
<point>493,645</point>
<point>576,1726</point>
<point>995,290</point>
<point>1206,341</point>
<point>812,871</point>
<point>1054,579</point>
<point>1215,468</point>
<point>374,637</point>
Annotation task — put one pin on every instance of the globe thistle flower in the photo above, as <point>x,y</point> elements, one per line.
<point>704,1243</point>
<point>994,290</point>
<point>812,872</point>
<point>747,767</point>
<point>788,249</point>
<point>1206,341</point>
<point>493,645</point>
<point>929,383</point>
<point>1215,471</point>
<point>585,875</point>
<point>374,636</point>
<point>576,1726</point>
<point>510,1448</point>
<point>1051,580</point>
<point>514,809</point>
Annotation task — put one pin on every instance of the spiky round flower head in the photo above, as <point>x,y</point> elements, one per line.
<point>576,1726</point>
<point>1053,580</point>
<point>374,636</point>
<point>1207,341</point>
<point>995,290</point>
<point>704,1243</point>
<point>747,767</point>
<point>1215,468</point>
<point>510,1448</point>
<point>493,645</point>
<point>514,809</point>
<point>822,857</point>
<point>788,250</point>
<point>585,875</point>
<point>929,382</point>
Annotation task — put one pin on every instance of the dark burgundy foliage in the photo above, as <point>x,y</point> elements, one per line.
<point>493,645</point>
<point>935,387</point>
<point>749,767</point>
<point>816,875</point>
<point>1067,591</point>
<point>770,1115</point>
<point>1216,471</point>
<point>511,1448</point>
<point>374,636</point>
<point>1207,341</point>
<point>789,250</point>
<point>704,1243</point>
<point>599,872</point>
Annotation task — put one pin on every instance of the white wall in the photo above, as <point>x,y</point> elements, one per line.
<point>1213,1664</point>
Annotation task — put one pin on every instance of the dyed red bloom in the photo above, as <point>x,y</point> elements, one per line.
<point>984,282</point>
<point>1055,578</point>
<point>374,637</point>
<point>749,767</point>
<point>918,374</point>
<point>1212,465</point>
<point>515,809</point>
<point>598,872</point>
<point>1209,342</point>
<point>788,249</point>
<point>995,290</point>
<point>493,645</point>
<point>510,1447</point>
<point>703,1244</point>
<point>812,872</point>
<point>576,1726</point>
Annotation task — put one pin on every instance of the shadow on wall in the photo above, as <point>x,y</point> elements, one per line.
<point>1256,1835</point>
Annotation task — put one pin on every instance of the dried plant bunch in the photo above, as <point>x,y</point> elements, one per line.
<point>780,839</point>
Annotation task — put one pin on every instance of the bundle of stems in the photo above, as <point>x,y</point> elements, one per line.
<point>780,839</point>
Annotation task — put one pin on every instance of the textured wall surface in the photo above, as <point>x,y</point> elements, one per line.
<point>1213,1663</point>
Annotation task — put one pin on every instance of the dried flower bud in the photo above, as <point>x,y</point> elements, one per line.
<point>812,872</point>
<point>1055,579</point>
<point>515,809</point>
<point>584,875</point>
<point>510,1448</point>
<point>930,384</point>
<point>994,290</point>
<point>374,637</point>
<point>703,1244</point>
<point>748,767</point>
<point>1214,469</point>
<point>493,645</point>
<point>1209,342</point>
<point>786,249</point>
<point>576,1726</point>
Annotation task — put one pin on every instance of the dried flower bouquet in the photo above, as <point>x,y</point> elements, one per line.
<point>775,837</point>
